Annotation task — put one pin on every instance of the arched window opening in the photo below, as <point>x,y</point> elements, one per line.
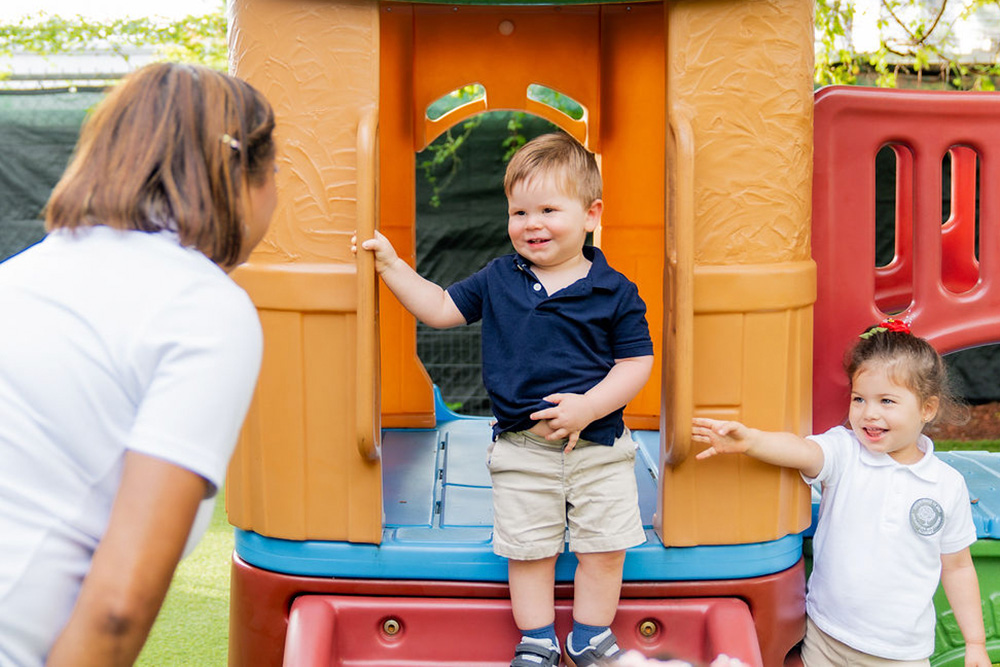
<point>960,219</point>
<point>459,97</point>
<point>893,227</point>
<point>556,100</point>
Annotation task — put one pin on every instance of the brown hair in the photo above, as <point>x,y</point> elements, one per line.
<point>561,155</point>
<point>172,147</point>
<point>910,361</point>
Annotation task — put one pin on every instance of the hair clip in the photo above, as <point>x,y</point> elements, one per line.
<point>229,141</point>
<point>888,324</point>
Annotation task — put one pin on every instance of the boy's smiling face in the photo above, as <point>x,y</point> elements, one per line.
<point>548,226</point>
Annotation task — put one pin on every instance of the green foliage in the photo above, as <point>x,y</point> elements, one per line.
<point>556,100</point>
<point>515,139</point>
<point>835,64</point>
<point>194,39</point>
<point>454,100</point>
<point>915,41</point>
<point>440,161</point>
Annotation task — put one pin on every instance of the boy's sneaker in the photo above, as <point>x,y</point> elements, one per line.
<point>602,649</point>
<point>535,653</point>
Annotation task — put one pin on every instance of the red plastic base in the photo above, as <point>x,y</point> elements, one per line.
<point>343,624</point>
<point>383,632</point>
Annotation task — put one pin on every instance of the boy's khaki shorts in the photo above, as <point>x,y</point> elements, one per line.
<point>822,650</point>
<point>538,490</point>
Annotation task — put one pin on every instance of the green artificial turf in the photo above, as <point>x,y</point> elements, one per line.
<point>967,446</point>
<point>192,629</point>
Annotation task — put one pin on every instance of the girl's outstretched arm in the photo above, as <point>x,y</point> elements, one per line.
<point>778,448</point>
<point>961,586</point>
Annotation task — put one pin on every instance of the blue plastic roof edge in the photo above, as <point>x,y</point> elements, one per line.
<point>417,554</point>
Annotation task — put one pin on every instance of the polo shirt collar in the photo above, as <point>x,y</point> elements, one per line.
<point>600,276</point>
<point>924,468</point>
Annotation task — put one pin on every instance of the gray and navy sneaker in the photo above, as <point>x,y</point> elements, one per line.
<point>535,653</point>
<point>603,649</point>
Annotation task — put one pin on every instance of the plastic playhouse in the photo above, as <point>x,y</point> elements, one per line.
<point>362,504</point>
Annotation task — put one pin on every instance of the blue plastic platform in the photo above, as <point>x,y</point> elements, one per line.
<point>439,519</point>
<point>982,475</point>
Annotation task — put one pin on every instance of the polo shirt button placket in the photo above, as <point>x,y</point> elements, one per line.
<point>537,287</point>
<point>894,504</point>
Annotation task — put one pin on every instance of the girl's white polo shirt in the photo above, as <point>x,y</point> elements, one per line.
<point>877,549</point>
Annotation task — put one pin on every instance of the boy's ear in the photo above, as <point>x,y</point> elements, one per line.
<point>594,215</point>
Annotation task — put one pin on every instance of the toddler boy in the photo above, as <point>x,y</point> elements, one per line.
<point>565,346</point>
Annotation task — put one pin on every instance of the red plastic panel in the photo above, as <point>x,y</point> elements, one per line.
<point>934,280</point>
<point>335,631</point>
<point>261,603</point>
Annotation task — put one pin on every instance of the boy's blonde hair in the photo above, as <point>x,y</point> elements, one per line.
<point>559,155</point>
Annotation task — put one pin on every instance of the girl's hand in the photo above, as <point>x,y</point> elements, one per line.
<point>570,415</point>
<point>976,655</point>
<point>723,437</point>
<point>385,254</point>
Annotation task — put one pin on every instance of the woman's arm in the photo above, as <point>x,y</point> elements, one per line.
<point>133,565</point>
<point>961,586</point>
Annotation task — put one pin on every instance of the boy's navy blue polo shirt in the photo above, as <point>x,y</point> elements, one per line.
<point>535,344</point>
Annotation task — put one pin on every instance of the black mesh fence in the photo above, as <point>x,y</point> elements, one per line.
<point>38,130</point>
<point>461,235</point>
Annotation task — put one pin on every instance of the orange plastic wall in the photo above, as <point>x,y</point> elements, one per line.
<point>297,473</point>
<point>701,115</point>
<point>739,93</point>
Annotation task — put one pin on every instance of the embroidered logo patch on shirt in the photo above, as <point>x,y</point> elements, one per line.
<point>926,516</point>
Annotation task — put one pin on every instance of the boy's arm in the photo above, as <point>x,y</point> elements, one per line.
<point>781,449</point>
<point>425,300</point>
<point>572,412</point>
<point>961,586</point>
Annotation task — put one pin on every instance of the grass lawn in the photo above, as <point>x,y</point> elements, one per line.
<point>967,446</point>
<point>192,629</point>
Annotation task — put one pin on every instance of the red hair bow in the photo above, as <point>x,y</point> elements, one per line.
<point>892,324</point>
<point>888,324</point>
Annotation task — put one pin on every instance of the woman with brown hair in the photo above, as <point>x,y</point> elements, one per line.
<point>127,360</point>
